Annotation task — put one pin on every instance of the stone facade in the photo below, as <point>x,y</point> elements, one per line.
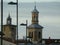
<point>9,30</point>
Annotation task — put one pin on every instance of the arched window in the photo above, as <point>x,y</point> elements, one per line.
<point>39,34</point>
<point>31,34</point>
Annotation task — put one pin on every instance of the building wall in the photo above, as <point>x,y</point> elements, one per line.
<point>6,31</point>
<point>35,34</point>
<point>6,42</point>
<point>9,31</point>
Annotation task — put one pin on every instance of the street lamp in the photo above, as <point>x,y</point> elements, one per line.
<point>29,39</point>
<point>1,21</point>
<point>26,29</point>
<point>12,3</point>
<point>1,34</point>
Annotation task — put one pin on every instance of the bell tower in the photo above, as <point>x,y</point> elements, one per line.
<point>9,20</point>
<point>35,16</point>
<point>35,30</point>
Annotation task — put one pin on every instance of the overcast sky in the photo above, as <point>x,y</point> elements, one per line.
<point>50,15</point>
<point>34,0</point>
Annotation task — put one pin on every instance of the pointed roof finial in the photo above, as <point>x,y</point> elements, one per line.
<point>35,10</point>
<point>35,5</point>
<point>9,16</point>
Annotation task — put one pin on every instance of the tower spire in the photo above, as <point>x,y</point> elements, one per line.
<point>35,10</point>
<point>35,13</point>
<point>9,20</point>
<point>35,6</point>
<point>9,15</point>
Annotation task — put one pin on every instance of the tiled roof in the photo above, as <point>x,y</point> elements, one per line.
<point>35,26</point>
<point>35,10</point>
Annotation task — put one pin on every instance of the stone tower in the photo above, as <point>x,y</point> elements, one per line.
<point>9,20</point>
<point>9,30</point>
<point>35,30</point>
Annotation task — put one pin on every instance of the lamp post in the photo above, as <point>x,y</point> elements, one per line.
<point>1,34</point>
<point>29,39</point>
<point>26,29</point>
<point>12,3</point>
<point>1,21</point>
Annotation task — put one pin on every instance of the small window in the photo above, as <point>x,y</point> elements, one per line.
<point>30,34</point>
<point>39,35</point>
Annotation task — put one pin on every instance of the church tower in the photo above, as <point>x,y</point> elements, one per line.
<point>9,29</point>
<point>35,30</point>
<point>35,16</point>
<point>9,20</point>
